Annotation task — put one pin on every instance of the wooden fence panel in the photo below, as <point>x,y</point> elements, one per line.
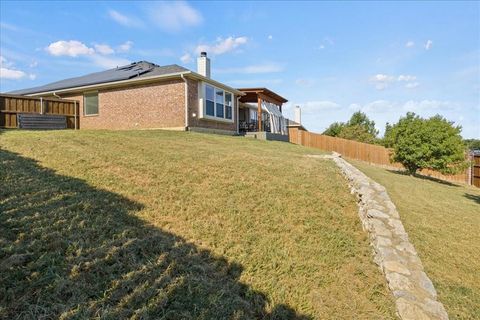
<point>12,105</point>
<point>370,153</point>
<point>476,171</point>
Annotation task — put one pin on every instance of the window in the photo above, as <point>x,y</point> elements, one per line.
<point>210,101</point>
<point>218,103</point>
<point>228,105</point>
<point>90,103</point>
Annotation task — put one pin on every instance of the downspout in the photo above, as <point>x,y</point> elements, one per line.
<point>186,101</point>
<point>237,107</point>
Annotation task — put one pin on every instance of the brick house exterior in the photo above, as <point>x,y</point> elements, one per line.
<point>146,96</point>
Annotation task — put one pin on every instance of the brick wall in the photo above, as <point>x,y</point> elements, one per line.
<point>193,108</point>
<point>159,105</point>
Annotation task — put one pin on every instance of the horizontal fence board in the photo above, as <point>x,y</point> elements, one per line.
<point>13,105</point>
<point>370,153</point>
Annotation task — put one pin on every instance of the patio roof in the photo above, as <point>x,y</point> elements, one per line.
<point>252,95</point>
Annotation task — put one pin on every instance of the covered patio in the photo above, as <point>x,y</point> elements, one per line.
<point>260,110</point>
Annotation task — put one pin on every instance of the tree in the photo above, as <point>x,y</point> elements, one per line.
<point>334,129</point>
<point>359,128</point>
<point>360,119</point>
<point>433,143</point>
<point>358,133</point>
<point>472,144</point>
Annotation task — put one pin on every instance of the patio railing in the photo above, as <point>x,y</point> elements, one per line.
<point>252,126</point>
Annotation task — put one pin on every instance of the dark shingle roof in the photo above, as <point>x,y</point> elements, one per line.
<point>134,70</point>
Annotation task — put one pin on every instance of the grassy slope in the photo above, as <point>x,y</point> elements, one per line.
<point>443,222</point>
<point>169,225</point>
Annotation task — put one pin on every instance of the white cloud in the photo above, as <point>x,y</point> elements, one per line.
<point>304,82</point>
<point>429,106</point>
<point>12,74</point>
<point>409,44</point>
<point>186,58</point>
<point>175,15</point>
<point>412,85</point>
<point>382,78</point>
<point>381,81</point>
<point>126,46</point>
<point>72,48</point>
<point>255,82</point>
<point>124,20</point>
<point>428,44</point>
<point>222,45</point>
<point>321,47</point>
<point>311,107</point>
<point>406,78</point>
<point>8,71</point>
<point>253,69</point>
<point>103,49</point>
<point>270,37</point>
<point>108,62</point>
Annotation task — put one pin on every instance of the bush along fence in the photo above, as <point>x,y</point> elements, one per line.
<point>370,153</point>
<point>49,110</point>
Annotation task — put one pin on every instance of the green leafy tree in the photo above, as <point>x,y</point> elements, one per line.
<point>472,144</point>
<point>359,128</point>
<point>433,143</point>
<point>334,129</point>
<point>358,133</point>
<point>360,119</point>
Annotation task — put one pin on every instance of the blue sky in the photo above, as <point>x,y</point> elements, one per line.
<point>384,58</point>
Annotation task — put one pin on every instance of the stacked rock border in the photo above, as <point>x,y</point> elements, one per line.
<point>414,293</point>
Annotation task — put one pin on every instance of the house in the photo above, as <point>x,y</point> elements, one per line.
<point>143,95</point>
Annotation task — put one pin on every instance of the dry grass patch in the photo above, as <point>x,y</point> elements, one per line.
<point>443,223</point>
<point>165,225</point>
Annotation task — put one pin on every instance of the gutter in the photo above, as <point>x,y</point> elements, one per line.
<point>186,101</point>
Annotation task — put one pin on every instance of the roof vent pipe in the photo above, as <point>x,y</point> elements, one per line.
<point>298,115</point>
<point>203,65</point>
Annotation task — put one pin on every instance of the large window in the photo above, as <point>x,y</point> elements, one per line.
<point>218,103</point>
<point>209,101</point>
<point>90,103</point>
<point>228,105</point>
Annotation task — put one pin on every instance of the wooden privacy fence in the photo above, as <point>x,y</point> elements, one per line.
<point>370,153</point>
<point>475,174</point>
<point>13,105</point>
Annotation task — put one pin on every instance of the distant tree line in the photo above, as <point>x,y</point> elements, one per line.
<point>417,143</point>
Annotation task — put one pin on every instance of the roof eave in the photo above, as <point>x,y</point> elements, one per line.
<point>113,84</point>
<point>150,79</point>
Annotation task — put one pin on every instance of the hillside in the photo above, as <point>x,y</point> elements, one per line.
<point>443,222</point>
<point>156,224</point>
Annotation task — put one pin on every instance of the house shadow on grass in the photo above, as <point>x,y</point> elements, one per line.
<point>473,197</point>
<point>423,177</point>
<point>69,250</point>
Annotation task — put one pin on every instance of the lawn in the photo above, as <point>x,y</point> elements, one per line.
<point>169,225</point>
<point>443,223</point>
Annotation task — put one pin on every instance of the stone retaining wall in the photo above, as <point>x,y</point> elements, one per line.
<point>415,296</point>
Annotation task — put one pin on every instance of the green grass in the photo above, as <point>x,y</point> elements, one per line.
<point>443,223</point>
<point>170,225</point>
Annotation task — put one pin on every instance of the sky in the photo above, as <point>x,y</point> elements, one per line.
<point>330,58</point>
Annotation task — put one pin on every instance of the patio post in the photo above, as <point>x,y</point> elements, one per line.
<point>259,114</point>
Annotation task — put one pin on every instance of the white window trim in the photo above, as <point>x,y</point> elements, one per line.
<point>203,104</point>
<point>98,102</point>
